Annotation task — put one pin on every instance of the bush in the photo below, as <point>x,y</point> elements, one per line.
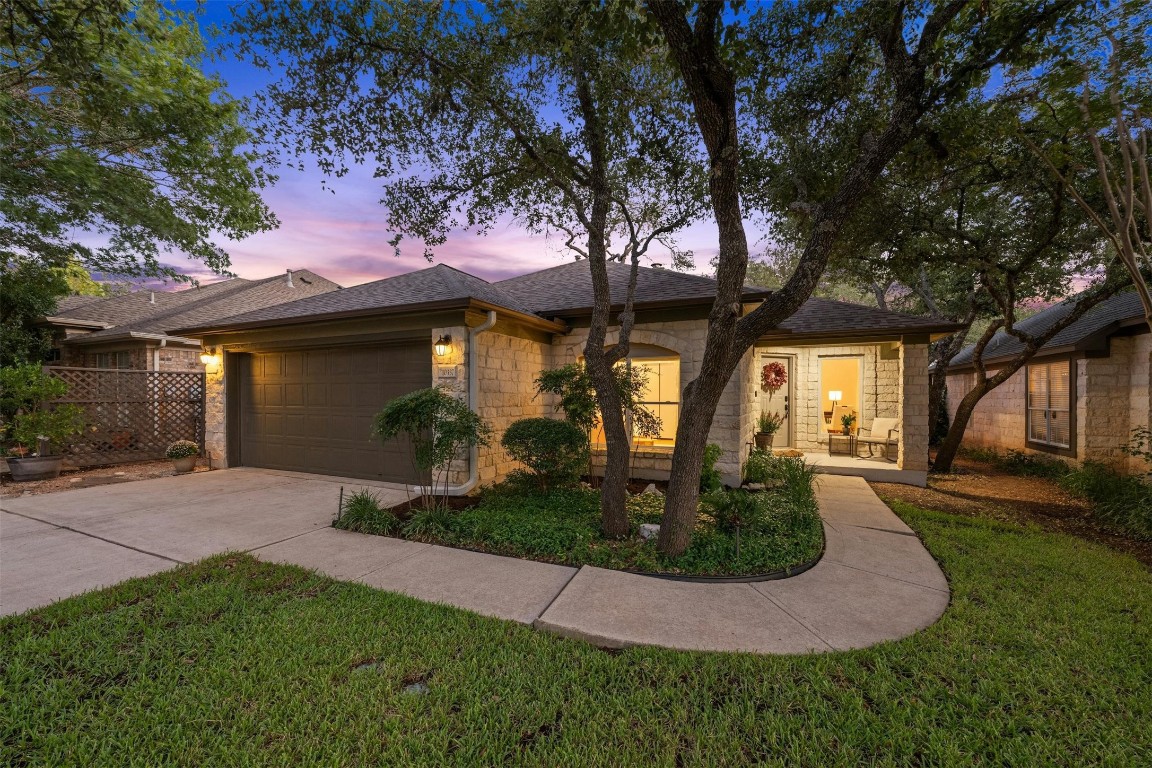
<point>734,509</point>
<point>432,523</point>
<point>363,513</point>
<point>1121,502</point>
<point>27,415</point>
<point>182,449</point>
<point>710,478</point>
<point>555,452</point>
<point>1019,463</point>
<point>795,478</point>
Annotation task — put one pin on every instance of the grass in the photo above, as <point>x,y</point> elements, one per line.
<point>1043,658</point>
<point>1122,503</point>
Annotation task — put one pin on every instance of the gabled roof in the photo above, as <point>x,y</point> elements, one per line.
<point>438,287</point>
<point>566,290</point>
<point>826,317</point>
<point>153,314</point>
<point>1106,318</point>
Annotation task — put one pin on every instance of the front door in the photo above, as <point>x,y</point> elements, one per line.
<point>777,399</point>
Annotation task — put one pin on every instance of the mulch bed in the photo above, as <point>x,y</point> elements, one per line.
<point>977,489</point>
<point>406,509</point>
<point>86,478</point>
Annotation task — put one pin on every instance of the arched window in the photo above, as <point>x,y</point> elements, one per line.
<point>661,393</point>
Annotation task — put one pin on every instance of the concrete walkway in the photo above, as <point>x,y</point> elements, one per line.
<point>876,581</point>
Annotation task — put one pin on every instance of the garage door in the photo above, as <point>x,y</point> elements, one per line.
<point>311,410</point>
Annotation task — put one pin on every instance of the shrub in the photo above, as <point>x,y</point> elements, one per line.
<point>438,426</point>
<point>733,509</point>
<point>795,478</point>
<point>710,478</point>
<point>363,513</point>
<point>1016,462</point>
<point>1120,502</point>
<point>432,523</point>
<point>555,452</point>
<point>182,449</point>
<point>26,411</point>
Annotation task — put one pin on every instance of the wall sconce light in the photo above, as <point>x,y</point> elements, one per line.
<point>209,357</point>
<point>442,345</point>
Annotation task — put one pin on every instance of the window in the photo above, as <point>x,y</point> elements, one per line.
<point>1050,404</point>
<point>121,360</point>
<point>661,394</point>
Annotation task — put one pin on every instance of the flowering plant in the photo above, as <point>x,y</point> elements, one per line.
<point>773,376</point>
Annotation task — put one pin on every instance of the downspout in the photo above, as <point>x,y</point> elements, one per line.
<point>473,392</point>
<point>156,354</point>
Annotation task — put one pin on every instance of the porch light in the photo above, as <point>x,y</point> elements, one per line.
<point>209,357</point>
<point>442,345</point>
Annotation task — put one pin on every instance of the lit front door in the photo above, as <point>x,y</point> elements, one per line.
<point>777,399</point>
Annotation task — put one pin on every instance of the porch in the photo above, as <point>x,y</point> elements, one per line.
<point>876,469</point>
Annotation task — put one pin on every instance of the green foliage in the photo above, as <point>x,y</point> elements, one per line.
<point>847,420</point>
<point>29,290</point>
<point>27,413</point>
<point>437,425</point>
<point>363,513</point>
<point>734,509</point>
<point>790,476</point>
<point>1139,444</point>
<point>182,449</point>
<point>112,129</point>
<point>1016,462</point>
<point>1121,502</point>
<point>769,423</point>
<point>576,395</point>
<point>555,452</point>
<point>710,477</point>
<point>433,523</point>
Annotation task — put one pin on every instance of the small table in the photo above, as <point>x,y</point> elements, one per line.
<point>845,444</point>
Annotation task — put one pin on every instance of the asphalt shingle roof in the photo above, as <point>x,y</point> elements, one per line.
<point>1102,318</point>
<point>162,311</point>
<point>440,283</point>
<point>567,289</point>
<point>826,316</point>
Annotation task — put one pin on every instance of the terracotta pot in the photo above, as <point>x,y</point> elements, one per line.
<point>764,440</point>
<point>35,468</point>
<point>186,464</point>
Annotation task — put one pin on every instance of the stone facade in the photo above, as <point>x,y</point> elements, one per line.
<point>913,407</point>
<point>215,417</point>
<point>507,368</point>
<point>1112,399</point>
<point>141,357</point>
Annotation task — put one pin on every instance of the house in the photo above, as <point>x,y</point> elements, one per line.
<point>130,331</point>
<point>1081,395</point>
<point>295,386</point>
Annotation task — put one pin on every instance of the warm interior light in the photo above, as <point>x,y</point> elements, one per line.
<point>441,345</point>
<point>836,394</point>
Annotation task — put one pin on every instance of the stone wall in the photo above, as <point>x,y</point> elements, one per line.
<point>450,372</point>
<point>913,415</point>
<point>179,359</point>
<point>215,416</point>
<point>1112,398</point>
<point>507,366</point>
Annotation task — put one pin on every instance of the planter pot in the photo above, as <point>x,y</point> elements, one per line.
<point>186,464</point>
<point>847,430</point>
<point>35,468</point>
<point>764,440</point>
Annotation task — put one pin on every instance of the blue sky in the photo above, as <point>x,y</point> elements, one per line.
<point>340,231</point>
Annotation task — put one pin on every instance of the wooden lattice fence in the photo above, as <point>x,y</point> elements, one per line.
<point>132,415</point>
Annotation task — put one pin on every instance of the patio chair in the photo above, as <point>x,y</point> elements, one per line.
<point>883,432</point>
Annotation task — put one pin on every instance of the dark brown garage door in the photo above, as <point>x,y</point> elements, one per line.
<point>311,410</point>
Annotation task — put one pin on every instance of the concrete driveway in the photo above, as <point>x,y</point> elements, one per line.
<point>60,544</point>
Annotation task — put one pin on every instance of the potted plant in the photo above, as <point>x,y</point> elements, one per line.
<point>846,421</point>
<point>32,425</point>
<point>768,424</point>
<point>183,454</point>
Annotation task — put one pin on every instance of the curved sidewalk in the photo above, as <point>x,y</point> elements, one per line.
<point>876,582</point>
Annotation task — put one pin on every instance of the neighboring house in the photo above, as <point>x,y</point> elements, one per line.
<point>300,382</point>
<point>131,331</point>
<point>1079,397</point>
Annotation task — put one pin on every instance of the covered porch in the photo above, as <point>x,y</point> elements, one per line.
<point>876,469</point>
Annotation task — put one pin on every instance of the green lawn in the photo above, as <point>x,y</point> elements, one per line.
<point>1044,657</point>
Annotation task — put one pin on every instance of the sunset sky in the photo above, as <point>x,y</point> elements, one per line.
<point>340,232</point>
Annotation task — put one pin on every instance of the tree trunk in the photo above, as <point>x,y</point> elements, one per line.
<point>946,454</point>
<point>614,489</point>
